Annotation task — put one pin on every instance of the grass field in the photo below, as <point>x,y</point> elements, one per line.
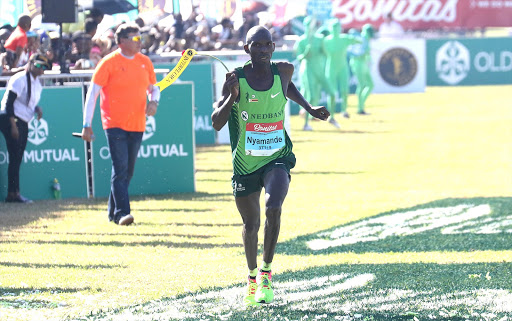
<point>405,214</point>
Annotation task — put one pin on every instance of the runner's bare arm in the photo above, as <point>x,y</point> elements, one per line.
<point>223,107</point>
<point>286,72</point>
<point>319,112</point>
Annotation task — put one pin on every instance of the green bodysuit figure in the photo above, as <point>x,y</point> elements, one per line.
<point>337,70</point>
<point>360,60</point>
<point>309,50</point>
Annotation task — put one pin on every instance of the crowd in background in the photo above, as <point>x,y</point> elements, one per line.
<point>82,45</point>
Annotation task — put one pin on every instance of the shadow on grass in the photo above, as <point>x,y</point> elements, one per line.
<point>173,210</point>
<point>21,298</point>
<point>352,292</point>
<point>32,232</point>
<point>464,224</point>
<point>192,224</point>
<point>65,266</point>
<point>197,196</point>
<point>13,216</point>
<point>184,245</point>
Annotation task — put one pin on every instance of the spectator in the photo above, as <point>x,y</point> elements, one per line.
<point>224,34</point>
<point>91,26</point>
<point>390,28</point>
<point>19,104</point>
<point>124,77</point>
<point>31,48</point>
<point>17,41</point>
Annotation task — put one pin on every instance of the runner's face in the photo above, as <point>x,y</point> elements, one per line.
<point>261,47</point>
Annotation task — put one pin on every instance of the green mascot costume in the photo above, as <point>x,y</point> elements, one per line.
<point>337,71</point>
<point>309,51</point>
<point>360,60</point>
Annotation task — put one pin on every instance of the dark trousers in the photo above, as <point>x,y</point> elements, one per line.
<point>16,149</point>
<point>124,147</point>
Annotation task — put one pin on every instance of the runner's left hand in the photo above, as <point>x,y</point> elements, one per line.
<point>320,112</point>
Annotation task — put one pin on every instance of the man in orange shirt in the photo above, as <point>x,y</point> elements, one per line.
<point>17,41</point>
<point>123,78</point>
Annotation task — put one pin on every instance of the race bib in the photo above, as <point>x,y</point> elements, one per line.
<point>263,139</point>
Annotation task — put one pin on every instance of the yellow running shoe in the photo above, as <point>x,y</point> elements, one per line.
<point>249,300</point>
<point>264,293</point>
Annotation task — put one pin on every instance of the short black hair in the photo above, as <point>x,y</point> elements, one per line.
<point>95,13</point>
<point>124,29</point>
<point>90,24</point>
<point>255,30</point>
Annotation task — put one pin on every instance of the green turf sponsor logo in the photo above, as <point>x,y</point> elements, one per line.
<point>453,219</point>
<point>444,225</point>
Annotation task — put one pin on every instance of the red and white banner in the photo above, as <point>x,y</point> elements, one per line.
<point>425,14</point>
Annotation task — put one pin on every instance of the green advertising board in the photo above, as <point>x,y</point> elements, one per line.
<point>51,152</point>
<point>201,75</point>
<point>472,61</point>
<point>165,163</point>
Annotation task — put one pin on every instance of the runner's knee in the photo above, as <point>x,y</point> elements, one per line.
<point>273,212</point>
<point>251,228</point>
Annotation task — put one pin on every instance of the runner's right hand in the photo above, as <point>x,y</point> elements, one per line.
<point>232,84</point>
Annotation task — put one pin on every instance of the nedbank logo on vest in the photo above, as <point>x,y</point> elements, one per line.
<point>38,134</point>
<point>151,150</point>
<point>267,116</point>
<point>455,61</point>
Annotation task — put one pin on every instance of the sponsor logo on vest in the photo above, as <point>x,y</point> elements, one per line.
<point>37,131</point>
<point>244,115</point>
<point>398,67</point>
<point>452,62</point>
<point>267,116</point>
<point>252,99</point>
<point>413,10</point>
<point>261,128</point>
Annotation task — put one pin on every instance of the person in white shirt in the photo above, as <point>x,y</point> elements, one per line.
<point>390,28</point>
<point>19,105</point>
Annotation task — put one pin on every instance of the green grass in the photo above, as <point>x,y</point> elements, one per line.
<point>411,206</point>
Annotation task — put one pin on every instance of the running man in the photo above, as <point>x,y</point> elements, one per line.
<point>253,101</point>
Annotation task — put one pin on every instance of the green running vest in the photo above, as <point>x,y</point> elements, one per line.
<point>256,125</point>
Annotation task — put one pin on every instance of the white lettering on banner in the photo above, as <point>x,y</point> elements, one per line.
<point>4,158</point>
<point>485,61</point>
<point>50,155</point>
<point>104,153</point>
<point>150,128</point>
<point>152,151</point>
<point>166,150</point>
<point>412,10</point>
<point>202,123</point>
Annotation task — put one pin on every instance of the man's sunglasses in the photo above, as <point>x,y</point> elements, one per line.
<point>41,66</point>
<point>134,38</point>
